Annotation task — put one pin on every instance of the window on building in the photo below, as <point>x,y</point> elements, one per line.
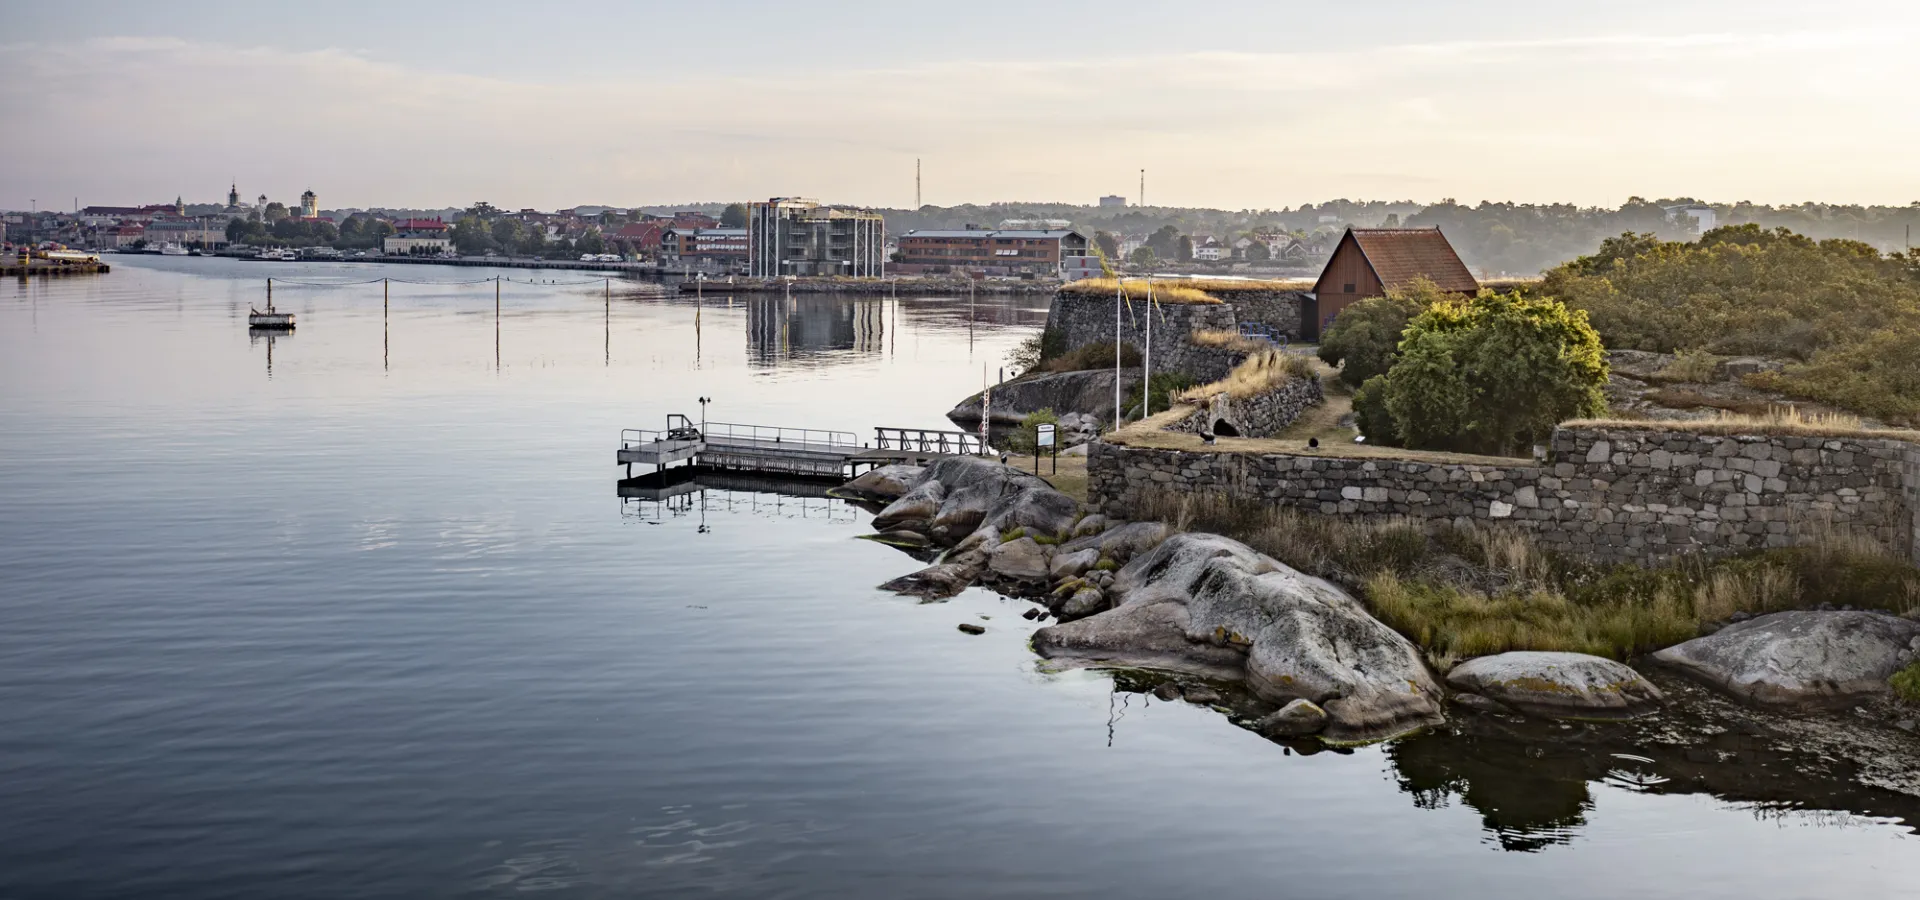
<point>1349,288</point>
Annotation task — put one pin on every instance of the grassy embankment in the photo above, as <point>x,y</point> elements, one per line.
<point>1461,593</point>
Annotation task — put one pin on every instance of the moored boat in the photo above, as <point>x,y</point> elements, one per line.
<point>269,319</point>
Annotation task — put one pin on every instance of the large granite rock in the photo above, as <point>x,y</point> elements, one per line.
<point>1800,659</point>
<point>915,509</point>
<point>1088,393</point>
<point>1021,559</point>
<point>1570,685</point>
<point>884,483</point>
<point>1123,542</point>
<point>1209,602</point>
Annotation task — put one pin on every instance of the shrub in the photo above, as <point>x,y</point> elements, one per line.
<point>1370,413</point>
<point>1026,438</point>
<point>1694,366</point>
<point>1850,314</point>
<point>1047,344</point>
<point>1163,388</point>
<point>1906,683</point>
<point>1092,356</point>
<point>1363,339</point>
<point>1493,374</point>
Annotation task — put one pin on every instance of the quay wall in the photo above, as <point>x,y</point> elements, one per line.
<point>1607,495</point>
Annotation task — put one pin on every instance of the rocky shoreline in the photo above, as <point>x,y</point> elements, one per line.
<point>1299,660</point>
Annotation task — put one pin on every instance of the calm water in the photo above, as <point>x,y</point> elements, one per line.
<point>369,619</point>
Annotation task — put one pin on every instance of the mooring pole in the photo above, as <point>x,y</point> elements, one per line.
<point>269,295</point>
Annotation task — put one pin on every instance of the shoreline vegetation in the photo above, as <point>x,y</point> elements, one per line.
<point>1465,592</point>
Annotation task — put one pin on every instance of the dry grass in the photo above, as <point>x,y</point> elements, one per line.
<point>1461,593</point>
<point>1137,290</point>
<point>1261,373</point>
<point>1150,434</point>
<point>1229,340</point>
<point>1777,420</point>
<point>1681,398</point>
<point>1243,285</point>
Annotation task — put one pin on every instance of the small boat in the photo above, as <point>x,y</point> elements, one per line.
<point>269,319</point>
<point>271,255</point>
<point>172,249</point>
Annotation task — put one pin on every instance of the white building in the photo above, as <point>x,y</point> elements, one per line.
<point>1113,201</point>
<point>1208,249</point>
<point>1704,219</point>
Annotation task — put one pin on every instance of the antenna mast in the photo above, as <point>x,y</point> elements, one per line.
<point>916,182</point>
<point>1143,187</point>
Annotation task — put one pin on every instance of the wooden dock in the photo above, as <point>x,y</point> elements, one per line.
<point>788,452</point>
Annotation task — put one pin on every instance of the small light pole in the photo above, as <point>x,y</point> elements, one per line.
<point>703,415</point>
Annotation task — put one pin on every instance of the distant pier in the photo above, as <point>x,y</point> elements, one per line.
<point>50,268</point>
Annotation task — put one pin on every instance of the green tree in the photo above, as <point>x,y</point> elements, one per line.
<point>1364,337</point>
<point>734,216</point>
<point>1143,256</point>
<point>470,236</point>
<point>484,211</point>
<point>591,242</point>
<point>1185,249</point>
<point>1109,244</point>
<point>274,212</point>
<point>1492,374</point>
<point>1165,242</point>
<point>507,233</point>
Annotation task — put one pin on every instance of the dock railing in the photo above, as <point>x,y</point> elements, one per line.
<point>925,440</point>
<point>722,433</point>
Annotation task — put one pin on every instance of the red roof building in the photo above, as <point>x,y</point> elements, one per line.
<point>433,224</point>
<point>644,237</point>
<point>1368,262</point>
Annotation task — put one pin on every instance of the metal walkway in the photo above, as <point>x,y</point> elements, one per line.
<point>802,452</point>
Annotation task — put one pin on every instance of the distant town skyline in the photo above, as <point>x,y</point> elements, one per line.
<point>1237,105</point>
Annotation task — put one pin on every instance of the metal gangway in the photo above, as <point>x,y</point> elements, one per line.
<point>802,452</point>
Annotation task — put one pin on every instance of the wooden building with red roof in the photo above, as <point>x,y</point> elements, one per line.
<point>1368,262</point>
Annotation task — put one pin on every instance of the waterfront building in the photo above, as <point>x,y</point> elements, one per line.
<point>796,236</point>
<point>418,237</point>
<point>643,238</point>
<point>993,252</point>
<point>1207,248</point>
<point>188,231</point>
<point>715,246</point>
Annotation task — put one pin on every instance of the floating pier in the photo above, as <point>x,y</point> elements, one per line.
<point>789,452</point>
<point>13,266</point>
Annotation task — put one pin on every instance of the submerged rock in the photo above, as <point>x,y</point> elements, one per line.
<point>1799,659</point>
<point>1208,602</point>
<point>970,628</point>
<point>1298,718</point>
<point>1477,702</point>
<point>884,483</point>
<point>1557,684</point>
<point>935,582</point>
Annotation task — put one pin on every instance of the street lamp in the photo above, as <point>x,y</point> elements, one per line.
<point>703,415</point>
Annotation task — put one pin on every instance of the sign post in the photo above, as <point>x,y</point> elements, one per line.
<point>1043,437</point>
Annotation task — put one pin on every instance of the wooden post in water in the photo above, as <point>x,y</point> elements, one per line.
<point>269,295</point>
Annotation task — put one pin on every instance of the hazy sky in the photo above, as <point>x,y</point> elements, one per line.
<point>1227,104</point>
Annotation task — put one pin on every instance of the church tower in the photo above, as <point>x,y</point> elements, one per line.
<point>309,205</point>
<point>233,196</point>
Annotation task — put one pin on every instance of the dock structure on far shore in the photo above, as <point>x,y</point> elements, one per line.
<point>790,452</point>
<point>12,266</point>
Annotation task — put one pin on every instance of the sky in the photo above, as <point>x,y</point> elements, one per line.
<point>1226,104</point>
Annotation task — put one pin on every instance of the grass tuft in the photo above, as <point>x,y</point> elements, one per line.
<point>1262,373</point>
<point>1691,366</point>
<point>1163,292</point>
<point>1777,419</point>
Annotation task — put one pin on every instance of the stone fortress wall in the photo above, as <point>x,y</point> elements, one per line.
<point>1259,416</point>
<point>1607,494</point>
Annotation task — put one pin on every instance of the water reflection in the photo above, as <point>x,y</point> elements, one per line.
<point>690,493</point>
<point>1534,783</point>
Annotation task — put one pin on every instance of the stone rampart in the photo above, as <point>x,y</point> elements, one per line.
<point>1603,494</point>
<point>1259,416</point>
<point>1083,320</point>
<point>1278,311</point>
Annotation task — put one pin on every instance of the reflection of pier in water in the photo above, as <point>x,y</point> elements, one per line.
<point>690,494</point>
